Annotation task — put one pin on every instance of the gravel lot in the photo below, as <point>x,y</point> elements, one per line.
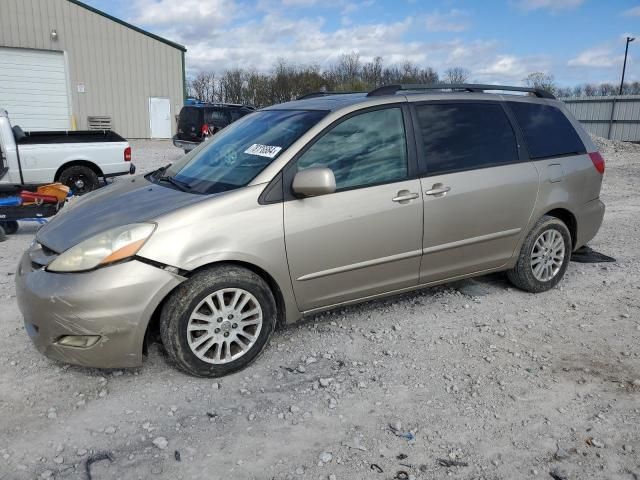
<point>510,384</point>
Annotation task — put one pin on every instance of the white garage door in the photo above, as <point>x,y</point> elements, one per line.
<point>33,89</point>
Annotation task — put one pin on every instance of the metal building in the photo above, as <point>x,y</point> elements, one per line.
<point>66,65</point>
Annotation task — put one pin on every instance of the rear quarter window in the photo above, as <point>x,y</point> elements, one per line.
<point>547,131</point>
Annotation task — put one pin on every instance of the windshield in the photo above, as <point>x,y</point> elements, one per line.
<point>234,156</point>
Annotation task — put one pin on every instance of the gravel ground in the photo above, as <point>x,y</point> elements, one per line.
<point>499,383</point>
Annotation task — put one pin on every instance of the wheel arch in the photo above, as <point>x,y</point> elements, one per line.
<point>153,324</point>
<point>74,163</point>
<point>569,219</point>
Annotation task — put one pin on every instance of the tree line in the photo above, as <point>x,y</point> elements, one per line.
<point>288,81</point>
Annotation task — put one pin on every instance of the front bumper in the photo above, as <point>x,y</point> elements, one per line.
<point>114,302</point>
<point>184,144</point>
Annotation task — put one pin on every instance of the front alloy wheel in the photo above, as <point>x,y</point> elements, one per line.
<point>224,326</point>
<point>218,321</point>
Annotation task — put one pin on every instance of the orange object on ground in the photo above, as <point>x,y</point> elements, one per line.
<point>57,190</point>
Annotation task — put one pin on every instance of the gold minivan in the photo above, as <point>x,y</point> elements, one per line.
<point>301,207</point>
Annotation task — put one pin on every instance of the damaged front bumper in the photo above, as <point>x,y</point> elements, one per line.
<point>114,303</point>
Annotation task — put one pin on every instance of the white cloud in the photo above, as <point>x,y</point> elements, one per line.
<point>553,5</point>
<point>452,21</point>
<point>220,42</point>
<point>597,57</point>
<point>184,19</point>
<point>633,12</point>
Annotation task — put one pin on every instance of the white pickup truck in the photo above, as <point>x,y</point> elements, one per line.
<point>76,158</point>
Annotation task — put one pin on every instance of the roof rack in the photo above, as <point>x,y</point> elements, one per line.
<point>467,87</point>
<point>324,94</point>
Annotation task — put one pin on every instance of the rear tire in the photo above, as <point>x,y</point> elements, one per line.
<point>218,321</point>
<point>544,256</point>
<point>80,179</point>
<point>3,237</point>
<point>10,227</point>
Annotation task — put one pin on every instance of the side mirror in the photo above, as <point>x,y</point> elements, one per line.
<point>314,182</point>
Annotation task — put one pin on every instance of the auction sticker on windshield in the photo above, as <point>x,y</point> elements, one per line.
<point>268,151</point>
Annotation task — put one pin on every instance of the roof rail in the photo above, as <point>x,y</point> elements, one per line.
<point>467,87</point>
<point>324,94</point>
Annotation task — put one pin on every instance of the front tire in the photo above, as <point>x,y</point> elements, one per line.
<point>544,256</point>
<point>218,321</point>
<point>80,179</point>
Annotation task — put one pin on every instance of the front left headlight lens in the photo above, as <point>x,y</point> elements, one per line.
<point>107,247</point>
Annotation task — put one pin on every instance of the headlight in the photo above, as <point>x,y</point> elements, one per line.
<point>107,247</point>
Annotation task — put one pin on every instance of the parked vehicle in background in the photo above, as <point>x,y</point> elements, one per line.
<point>198,121</point>
<point>77,159</point>
<point>308,205</point>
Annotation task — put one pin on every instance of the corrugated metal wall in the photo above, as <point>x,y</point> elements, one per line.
<point>120,68</point>
<point>617,118</point>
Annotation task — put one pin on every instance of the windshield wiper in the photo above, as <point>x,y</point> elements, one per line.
<point>160,171</point>
<point>183,186</point>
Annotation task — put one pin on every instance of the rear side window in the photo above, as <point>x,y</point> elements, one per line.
<point>218,118</point>
<point>547,131</point>
<point>465,136</point>
<point>191,115</point>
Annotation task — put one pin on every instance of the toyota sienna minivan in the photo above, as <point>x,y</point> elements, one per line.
<point>304,206</point>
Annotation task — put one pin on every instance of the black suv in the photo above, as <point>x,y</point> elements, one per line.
<point>201,120</point>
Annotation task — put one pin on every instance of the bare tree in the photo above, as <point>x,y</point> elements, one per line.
<point>231,83</point>
<point>203,87</point>
<point>372,73</point>
<point>542,80</point>
<point>456,75</point>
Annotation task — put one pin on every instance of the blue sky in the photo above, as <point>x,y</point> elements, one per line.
<point>498,41</point>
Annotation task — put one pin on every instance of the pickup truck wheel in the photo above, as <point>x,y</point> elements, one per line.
<point>218,321</point>
<point>80,179</point>
<point>10,227</point>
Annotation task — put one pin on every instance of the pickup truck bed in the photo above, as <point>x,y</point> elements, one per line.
<point>76,158</point>
<point>80,136</point>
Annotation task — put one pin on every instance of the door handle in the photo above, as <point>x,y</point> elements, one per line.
<point>405,196</point>
<point>438,190</point>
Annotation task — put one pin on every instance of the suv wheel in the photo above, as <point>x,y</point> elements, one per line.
<point>544,256</point>
<point>10,227</point>
<point>218,321</point>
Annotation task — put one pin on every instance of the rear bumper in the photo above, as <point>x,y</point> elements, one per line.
<point>131,171</point>
<point>184,144</point>
<point>114,303</point>
<point>589,220</point>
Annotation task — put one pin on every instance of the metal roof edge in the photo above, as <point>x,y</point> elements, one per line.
<point>128,25</point>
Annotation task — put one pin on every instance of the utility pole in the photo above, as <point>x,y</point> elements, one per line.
<point>624,65</point>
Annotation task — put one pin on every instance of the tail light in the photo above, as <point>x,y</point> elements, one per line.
<point>598,161</point>
<point>127,154</point>
<point>205,129</point>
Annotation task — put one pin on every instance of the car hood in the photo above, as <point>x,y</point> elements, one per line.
<point>124,202</point>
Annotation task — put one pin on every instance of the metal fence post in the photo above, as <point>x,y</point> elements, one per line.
<point>613,111</point>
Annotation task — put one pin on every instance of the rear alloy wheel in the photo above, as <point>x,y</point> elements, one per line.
<point>80,179</point>
<point>544,256</point>
<point>218,321</point>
